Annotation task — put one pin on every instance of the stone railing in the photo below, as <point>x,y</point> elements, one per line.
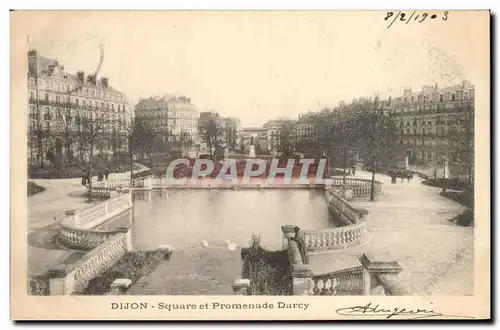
<point>67,279</point>
<point>95,215</point>
<point>335,238</point>
<point>113,184</point>
<point>101,192</point>
<point>85,239</point>
<point>369,279</point>
<point>345,282</point>
<point>360,187</point>
<point>341,208</point>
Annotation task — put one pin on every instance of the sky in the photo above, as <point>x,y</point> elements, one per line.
<point>262,65</point>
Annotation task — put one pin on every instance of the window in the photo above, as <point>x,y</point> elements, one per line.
<point>77,102</point>
<point>102,105</point>
<point>58,114</point>
<point>46,115</point>
<point>413,100</point>
<point>46,97</point>
<point>58,87</point>
<point>32,95</point>
<point>58,99</point>
<point>466,95</point>
<point>453,96</point>
<point>83,103</point>
<point>441,97</point>
<point>67,88</point>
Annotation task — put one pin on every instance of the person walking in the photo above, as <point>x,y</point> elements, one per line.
<point>106,173</point>
<point>99,177</point>
<point>84,177</point>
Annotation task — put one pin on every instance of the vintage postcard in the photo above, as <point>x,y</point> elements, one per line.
<point>250,165</point>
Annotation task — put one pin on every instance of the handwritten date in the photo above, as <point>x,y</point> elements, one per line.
<point>400,16</point>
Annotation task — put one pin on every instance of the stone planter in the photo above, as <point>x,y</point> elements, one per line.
<point>348,193</point>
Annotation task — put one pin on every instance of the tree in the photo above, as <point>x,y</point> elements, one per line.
<point>287,143</point>
<point>211,133</point>
<point>92,127</point>
<point>141,137</point>
<point>461,142</point>
<point>186,140</point>
<point>377,137</point>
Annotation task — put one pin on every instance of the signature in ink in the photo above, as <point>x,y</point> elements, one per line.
<point>388,313</point>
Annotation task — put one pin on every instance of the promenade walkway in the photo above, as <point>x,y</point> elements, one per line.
<point>59,196</point>
<point>409,223</point>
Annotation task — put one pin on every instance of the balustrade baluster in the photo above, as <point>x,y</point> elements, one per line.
<point>316,288</point>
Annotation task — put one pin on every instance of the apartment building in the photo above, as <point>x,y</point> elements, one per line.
<point>66,110</point>
<point>174,118</point>
<point>436,126</point>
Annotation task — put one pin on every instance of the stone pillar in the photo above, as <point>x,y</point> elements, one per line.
<point>242,287</point>
<point>288,232</point>
<point>446,174</point>
<point>302,283</point>
<point>57,281</point>
<point>363,215</point>
<point>119,286</point>
<point>382,273</point>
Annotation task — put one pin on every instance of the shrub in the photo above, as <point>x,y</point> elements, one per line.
<point>268,271</point>
<point>133,266</point>
<point>33,188</point>
<point>465,219</point>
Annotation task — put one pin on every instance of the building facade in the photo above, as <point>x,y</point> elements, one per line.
<point>68,113</point>
<point>305,134</point>
<point>173,118</point>
<point>436,126</point>
<point>231,131</point>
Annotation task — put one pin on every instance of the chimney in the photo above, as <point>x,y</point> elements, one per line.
<point>81,76</point>
<point>32,52</point>
<point>104,82</point>
<point>92,79</point>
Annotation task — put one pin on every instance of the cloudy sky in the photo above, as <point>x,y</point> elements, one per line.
<point>262,65</point>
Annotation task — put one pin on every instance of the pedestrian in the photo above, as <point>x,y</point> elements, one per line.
<point>354,170</point>
<point>106,173</point>
<point>409,177</point>
<point>84,177</point>
<point>99,177</point>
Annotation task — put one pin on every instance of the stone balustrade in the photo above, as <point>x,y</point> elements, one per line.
<point>95,215</point>
<point>67,279</point>
<point>384,275</point>
<point>360,187</point>
<point>342,209</point>
<point>335,238</point>
<point>85,239</point>
<point>371,278</point>
<point>113,184</point>
<point>345,282</point>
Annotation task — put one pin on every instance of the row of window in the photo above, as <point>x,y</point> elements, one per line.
<point>58,114</point>
<point>68,88</point>
<point>458,106</point>
<point>85,103</point>
<point>442,97</point>
<point>180,114</point>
